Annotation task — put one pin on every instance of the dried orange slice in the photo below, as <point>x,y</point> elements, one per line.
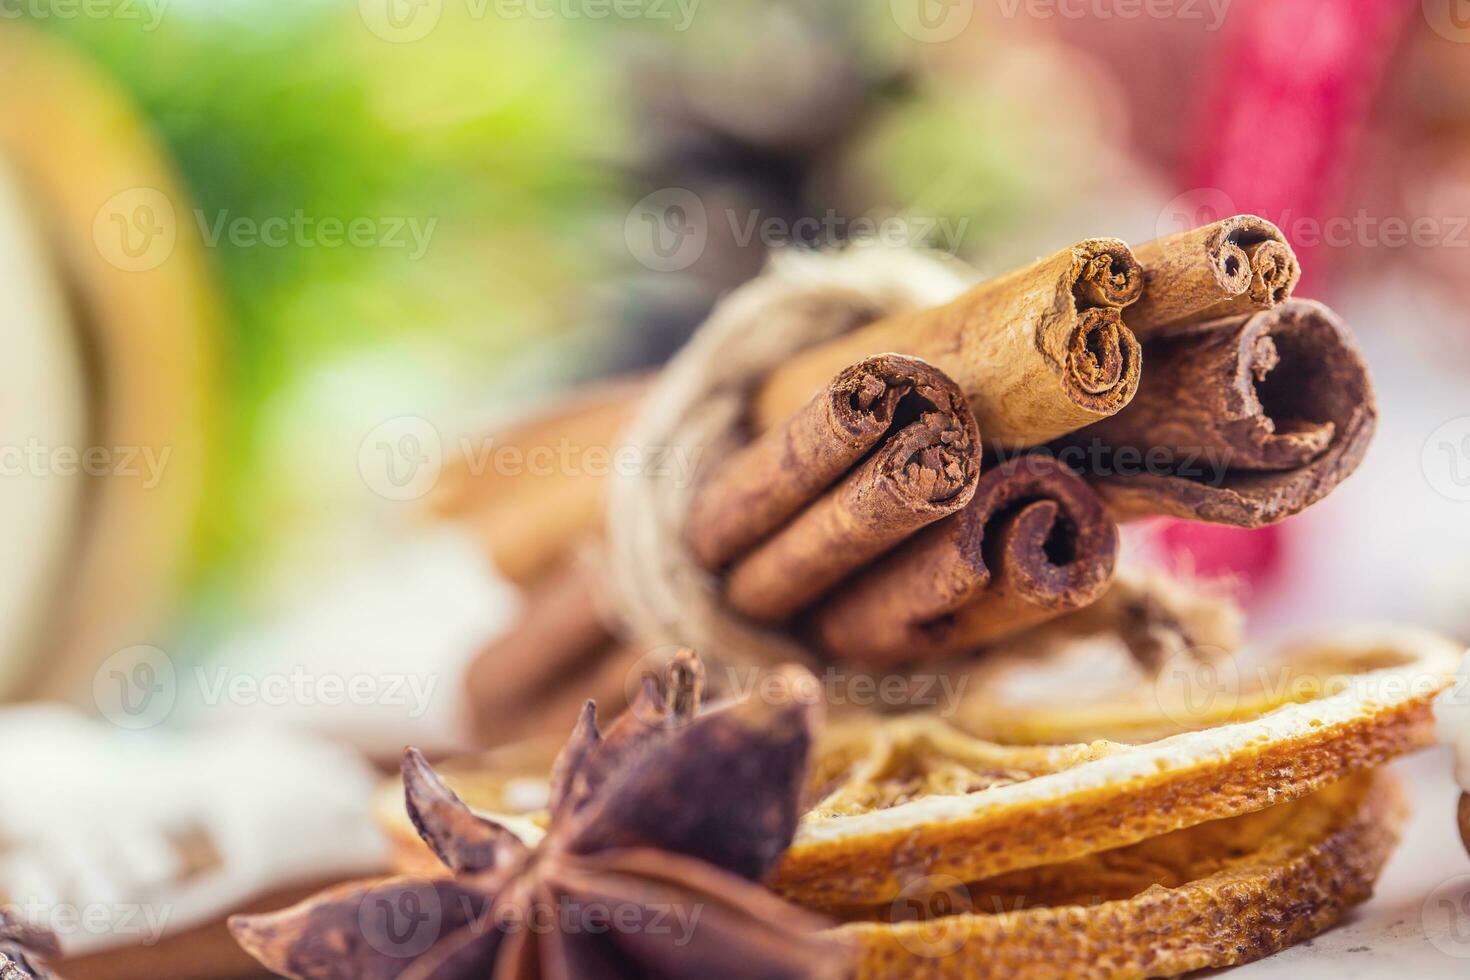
<point>912,798</point>
<point>898,800</point>
<point>1213,895</point>
<point>1083,687</point>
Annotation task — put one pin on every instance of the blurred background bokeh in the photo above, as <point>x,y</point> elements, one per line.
<point>251,243</point>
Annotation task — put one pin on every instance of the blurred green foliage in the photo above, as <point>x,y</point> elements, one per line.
<point>503,134</point>
<point>522,142</point>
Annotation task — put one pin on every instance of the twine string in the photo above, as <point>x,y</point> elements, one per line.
<point>695,415</point>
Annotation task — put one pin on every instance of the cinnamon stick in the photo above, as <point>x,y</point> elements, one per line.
<point>1242,421</point>
<point>1033,543</point>
<point>1038,352</point>
<point>1235,266</point>
<point>535,490</point>
<point>524,682</point>
<point>886,448</point>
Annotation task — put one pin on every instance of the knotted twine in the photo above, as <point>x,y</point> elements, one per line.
<point>695,415</point>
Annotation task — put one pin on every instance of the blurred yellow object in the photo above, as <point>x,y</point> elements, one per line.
<point>121,237</point>
<point>43,377</point>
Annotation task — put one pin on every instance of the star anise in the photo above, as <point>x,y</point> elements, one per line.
<point>22,947</point>
<point>658,832</point>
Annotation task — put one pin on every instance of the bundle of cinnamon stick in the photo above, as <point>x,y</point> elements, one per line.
<point>867,572</point>
<point>1177,379</point>
<point>942,479</point>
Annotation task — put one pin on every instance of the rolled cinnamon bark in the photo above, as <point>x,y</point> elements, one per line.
<point>1235,266</point>
<point>534,491</point>
<point>1038,352</point>
<point>1033,543</point>
<point>758,489</point>
<point>888,447</point>
<point>1243,421</point>
<point>530,680</point>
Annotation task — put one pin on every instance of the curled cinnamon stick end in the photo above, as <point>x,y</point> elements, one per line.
<point>1035,542</point>
<point>1038,352</point>
<point>923,470</point>
<point>758,489</point>
<point>1243,421</point>
<point>1234,266</point>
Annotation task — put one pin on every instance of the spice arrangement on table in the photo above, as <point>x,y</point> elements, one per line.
<point>912,479</point>
<point>931,482</point>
